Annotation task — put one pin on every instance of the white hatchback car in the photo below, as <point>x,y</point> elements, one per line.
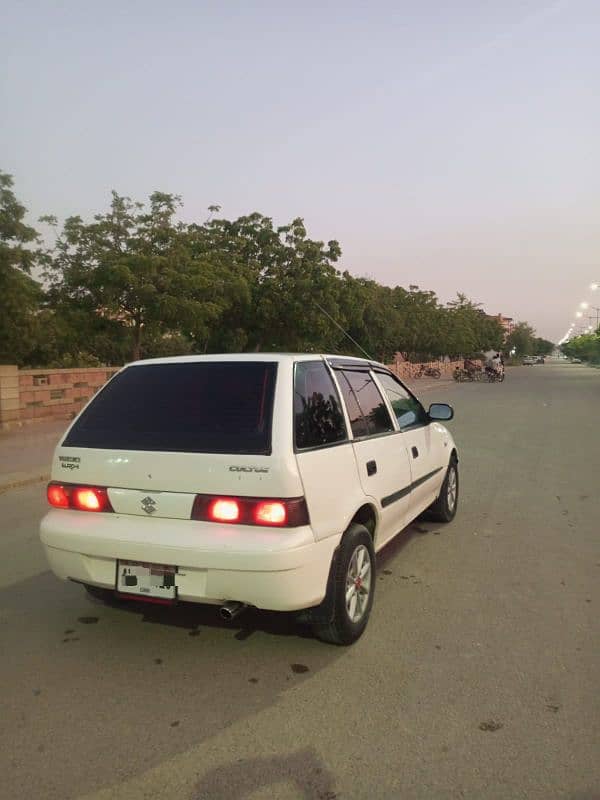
<point>261,480</point>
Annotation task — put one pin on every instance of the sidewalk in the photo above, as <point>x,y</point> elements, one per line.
<point>26,453</point>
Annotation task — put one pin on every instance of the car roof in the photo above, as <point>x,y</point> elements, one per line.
<point>334,359</point>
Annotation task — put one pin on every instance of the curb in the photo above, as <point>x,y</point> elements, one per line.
<point>428,387</point>
<point>19,479</point>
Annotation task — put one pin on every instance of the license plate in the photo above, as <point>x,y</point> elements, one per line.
<point>146,580</point>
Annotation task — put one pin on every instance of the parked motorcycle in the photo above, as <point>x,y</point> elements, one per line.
<point>430,372</point>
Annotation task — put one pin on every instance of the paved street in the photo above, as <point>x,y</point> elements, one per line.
<point>478,677</point>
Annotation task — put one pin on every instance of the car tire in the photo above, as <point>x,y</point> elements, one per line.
<point>355,565</point>
<point>445,507</point>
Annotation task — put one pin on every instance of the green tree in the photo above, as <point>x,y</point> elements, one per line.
<point>542,347</point>
<point>585,347</point>
<point>276,276</point>
<point>20,294</point>
<point>521,339</point>
<point>134,266</point>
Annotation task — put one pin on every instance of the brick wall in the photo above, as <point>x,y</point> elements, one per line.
<point>28,395</point>
<point>408,372</point>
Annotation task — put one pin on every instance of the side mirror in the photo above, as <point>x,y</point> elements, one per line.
<point>440,411</point>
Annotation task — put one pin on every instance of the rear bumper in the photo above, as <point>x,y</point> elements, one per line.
<point>277,569</point>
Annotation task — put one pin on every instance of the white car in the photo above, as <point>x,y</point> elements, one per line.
<point>259,480</point>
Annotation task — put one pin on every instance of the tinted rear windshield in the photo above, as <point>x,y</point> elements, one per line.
<point>198,407</point>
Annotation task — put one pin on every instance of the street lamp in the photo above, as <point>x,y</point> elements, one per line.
<point>579,314</point>
<point>584,305</point>
<point>594,286</point>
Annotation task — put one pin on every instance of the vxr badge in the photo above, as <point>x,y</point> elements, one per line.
<point>149,505</point>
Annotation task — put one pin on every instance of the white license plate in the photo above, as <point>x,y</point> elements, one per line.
<point>147,580</point>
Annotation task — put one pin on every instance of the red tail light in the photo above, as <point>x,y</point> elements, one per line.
<point>271,512</point>
<point>222,510</point>
<point>81,498</point>
<point>57,495</point>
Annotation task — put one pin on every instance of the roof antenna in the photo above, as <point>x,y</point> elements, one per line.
<point>342,330</point>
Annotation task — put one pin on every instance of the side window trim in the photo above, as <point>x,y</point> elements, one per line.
<point>346,414</point>
<point>383,396</point>
<point>386,399</point>
<point>333,375</point>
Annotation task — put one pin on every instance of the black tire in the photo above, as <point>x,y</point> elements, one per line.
<point>99,593</point>
<point>445,507</point>
<point>342,629</point>
<point>434,372</point>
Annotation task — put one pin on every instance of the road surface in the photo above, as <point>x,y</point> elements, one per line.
<point>478,677</point>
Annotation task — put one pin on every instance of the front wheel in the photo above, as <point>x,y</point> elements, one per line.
<point>444,508</point>
<point>354,588</point>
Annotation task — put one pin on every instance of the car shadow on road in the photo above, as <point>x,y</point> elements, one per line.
<point>193,617</point>
<point>117,665</point>
<point>304,769</point>
<point>420,527</point>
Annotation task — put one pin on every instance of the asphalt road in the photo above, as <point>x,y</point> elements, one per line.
<point>478,677</point>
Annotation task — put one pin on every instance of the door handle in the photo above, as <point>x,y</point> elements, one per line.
<point>371,467</point>
<point>415,452</point>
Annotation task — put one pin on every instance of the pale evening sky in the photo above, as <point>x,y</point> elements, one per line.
<point>450,145</point>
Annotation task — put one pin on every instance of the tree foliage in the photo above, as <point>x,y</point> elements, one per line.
<point>586,347</point>
<point>20,295</point>
<point>136,281</point>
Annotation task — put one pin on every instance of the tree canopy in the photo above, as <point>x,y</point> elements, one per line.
<point>136,281</point>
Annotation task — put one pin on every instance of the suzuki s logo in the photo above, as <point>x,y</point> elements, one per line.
<point>148,505</point>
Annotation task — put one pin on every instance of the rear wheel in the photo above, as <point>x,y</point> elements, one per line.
<point>444,508</point>
<point>354,588</point>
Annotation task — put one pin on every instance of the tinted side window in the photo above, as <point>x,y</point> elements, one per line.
<point>318,417</point>
<point>366,407</point>
<point>409,412</point>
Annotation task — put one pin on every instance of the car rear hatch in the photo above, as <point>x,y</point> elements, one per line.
<point>159,434</point>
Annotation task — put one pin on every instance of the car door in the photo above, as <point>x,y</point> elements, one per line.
<point>323,449</point>
<point>426,443</point>
<point>381,456</point>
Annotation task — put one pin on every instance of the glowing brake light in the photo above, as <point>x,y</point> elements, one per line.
<point>270,513</point>
<point>80,498</point>
<point>224,511</point>
<point>87,499</point>
<point>265,511</point>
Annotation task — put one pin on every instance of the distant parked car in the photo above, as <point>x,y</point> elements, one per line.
<point>576,361</point>
<point>528,361</point>
<point>540,360</point>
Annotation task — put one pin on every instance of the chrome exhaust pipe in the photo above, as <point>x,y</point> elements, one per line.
<point>230,610</point>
